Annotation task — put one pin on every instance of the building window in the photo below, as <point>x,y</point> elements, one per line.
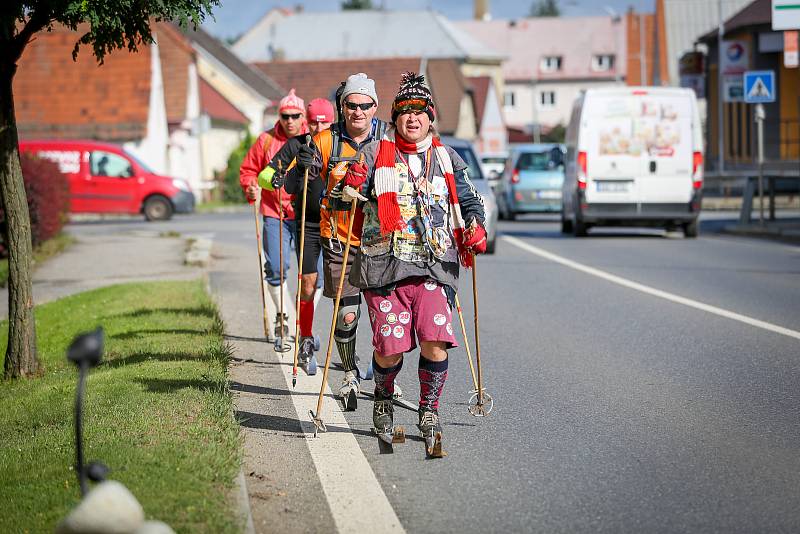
<point>509,99</point>
<point>550,64</point>
<point>602,62</point>
<point>547,99</point>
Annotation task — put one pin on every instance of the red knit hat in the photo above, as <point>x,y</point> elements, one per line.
<point>319,110</point>
<point>291,102</point>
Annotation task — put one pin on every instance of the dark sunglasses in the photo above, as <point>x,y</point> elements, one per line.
<point>293,116</point>
<point>352,106</point>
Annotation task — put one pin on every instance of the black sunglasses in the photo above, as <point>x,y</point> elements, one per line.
<point>352,106</point>
<point>293,116</point>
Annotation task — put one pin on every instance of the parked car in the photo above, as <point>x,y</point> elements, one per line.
<point>104,178</point>
<point>464,149</point>
<point>634,158</point>
<point>492,166</point>
<point>532,180</point>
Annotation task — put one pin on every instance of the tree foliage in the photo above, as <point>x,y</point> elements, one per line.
<point>545,8</point>
<point>231,190</point>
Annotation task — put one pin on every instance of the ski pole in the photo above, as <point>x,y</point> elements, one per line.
<point>317,418</point>
<point>279,346</point>
<point>300,274</point>
<point>466,346</point>
<point>478,409</point>
<point>260,267</point>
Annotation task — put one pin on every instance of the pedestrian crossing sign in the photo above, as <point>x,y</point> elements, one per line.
<point>759,86</point>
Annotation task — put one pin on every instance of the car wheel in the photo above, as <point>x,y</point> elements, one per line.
<point>579,228</point>
<point>566,225</point>
<point>157,208</point>
<point>491,246</point>
<point>691,229</point>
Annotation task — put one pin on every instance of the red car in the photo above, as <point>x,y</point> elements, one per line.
<point>104,178</point>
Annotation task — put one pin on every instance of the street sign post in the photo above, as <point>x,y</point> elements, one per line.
<point>759,89</point>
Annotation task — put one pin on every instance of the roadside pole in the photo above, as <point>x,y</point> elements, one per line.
<point>760,116</point>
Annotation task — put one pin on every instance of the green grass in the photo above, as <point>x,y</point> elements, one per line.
<point>158,411</point>
<point>46,250</point>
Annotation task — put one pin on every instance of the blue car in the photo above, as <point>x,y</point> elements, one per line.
<point>532,180</point>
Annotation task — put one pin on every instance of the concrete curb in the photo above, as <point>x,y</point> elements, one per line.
<point>754,230</point>
<point>198,253</point>
<point>243,499</point>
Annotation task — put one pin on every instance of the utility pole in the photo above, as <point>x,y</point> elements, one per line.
<point>642,51</point>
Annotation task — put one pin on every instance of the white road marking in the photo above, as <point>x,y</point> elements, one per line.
<point>650,290</point>
<point>356,499</point>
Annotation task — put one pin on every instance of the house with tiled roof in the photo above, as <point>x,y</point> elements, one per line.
<point>364,34</point>
<point>545,71</point>
<point>451,91</point>
<point>155,103</point>
<point>492,136</point>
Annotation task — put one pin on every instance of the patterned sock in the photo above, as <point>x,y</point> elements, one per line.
<point>384,378</point>
<point>306,317</point>
<point>347,352</point>
<point>432,376</point>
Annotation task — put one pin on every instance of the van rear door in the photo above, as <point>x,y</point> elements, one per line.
<point>639,147</point>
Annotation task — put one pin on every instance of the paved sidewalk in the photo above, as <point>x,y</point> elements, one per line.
<point>98,260</point>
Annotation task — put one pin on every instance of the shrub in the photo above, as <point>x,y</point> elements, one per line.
<point>48,200</point>
<point>231,190</point>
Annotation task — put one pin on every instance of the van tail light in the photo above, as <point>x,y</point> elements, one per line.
<point>697,170</point>
<point>515,176</point>
<point>581,170</point>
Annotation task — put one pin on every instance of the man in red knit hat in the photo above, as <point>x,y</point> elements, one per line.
<point>291,122</point>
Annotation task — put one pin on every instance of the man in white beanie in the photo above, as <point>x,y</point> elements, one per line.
<point>328,158</point>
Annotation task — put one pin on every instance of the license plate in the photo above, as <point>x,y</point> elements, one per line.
<point>613,187</point>
<point>546,194</point>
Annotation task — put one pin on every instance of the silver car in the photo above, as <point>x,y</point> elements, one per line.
<point>464,149</point>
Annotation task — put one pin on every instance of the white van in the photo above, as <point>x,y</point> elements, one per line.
<point>634,158</point>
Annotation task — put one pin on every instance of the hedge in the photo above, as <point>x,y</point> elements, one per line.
<point>48,200</point>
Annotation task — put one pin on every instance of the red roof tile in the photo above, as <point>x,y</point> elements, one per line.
<point>56,97</point>
<point>217,106</point>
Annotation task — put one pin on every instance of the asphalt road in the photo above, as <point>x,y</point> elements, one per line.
<point>615,411</point>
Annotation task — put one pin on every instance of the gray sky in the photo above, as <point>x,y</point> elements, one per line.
<point>234,17</point>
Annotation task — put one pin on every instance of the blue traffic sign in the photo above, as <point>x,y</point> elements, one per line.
<point>759,86</point>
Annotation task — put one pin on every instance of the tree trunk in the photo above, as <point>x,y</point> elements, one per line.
<point>21,357</point>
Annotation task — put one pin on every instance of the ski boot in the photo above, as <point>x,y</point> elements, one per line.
<point>306,358</point>
<point>431,430</point>
<point>383,423</point>
<point>348,392</point>
<point>281,328</point>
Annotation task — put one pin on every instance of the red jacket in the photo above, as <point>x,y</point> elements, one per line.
<point>258,157</point>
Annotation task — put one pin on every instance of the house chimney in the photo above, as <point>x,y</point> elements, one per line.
<point>482,10</point>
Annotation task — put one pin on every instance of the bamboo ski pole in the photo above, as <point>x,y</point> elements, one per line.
<point>279,346</point>
<point>479,409</point>
<point>300,274</point>
<point>317,417</point>
<point>260,266</point>
<point>466,346</point>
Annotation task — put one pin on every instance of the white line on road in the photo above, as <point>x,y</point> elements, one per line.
<point>356,499</point>
<point>650,290</point>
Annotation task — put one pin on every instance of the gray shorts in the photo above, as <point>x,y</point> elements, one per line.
<point>332,270</point>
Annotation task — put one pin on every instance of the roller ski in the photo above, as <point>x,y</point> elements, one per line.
<point>397,398</point>
<point>306,358</point>
<point>431,431</point>
<point>383,421</point>
<point>348,392</point>
<point>281,331</point>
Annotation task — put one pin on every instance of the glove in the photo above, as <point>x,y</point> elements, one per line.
<point>269,179</point>
<point>475,238</point>
<point>308,157</point>
<point>356,175</point>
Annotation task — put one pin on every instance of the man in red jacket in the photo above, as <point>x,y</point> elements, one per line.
<point>291,122</point>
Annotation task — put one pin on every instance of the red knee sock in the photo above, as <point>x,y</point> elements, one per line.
<point>306,317</point>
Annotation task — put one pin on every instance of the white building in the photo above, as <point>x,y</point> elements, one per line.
<point>550,60</point>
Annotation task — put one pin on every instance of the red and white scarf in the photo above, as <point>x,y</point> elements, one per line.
<point>387,185</point>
